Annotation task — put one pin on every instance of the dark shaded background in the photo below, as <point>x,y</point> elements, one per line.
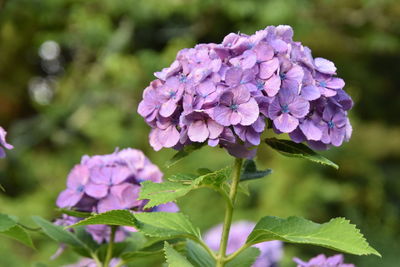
<point>72,73</point>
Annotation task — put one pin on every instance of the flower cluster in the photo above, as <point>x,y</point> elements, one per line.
<point>3,143</point>
<point>271,252</point>
<point>322,261</point>
<point>223,93</point>
<point>108,182</point>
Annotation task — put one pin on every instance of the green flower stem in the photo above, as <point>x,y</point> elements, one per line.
<point>110,246</point>
<point>229,212</point>
<point>96,259</point>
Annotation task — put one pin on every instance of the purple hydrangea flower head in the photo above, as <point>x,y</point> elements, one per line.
<point>107,182</point>
<point>323,261</point>
<point>271,251</point>
<point>220,93</point>
<point>3,143</point>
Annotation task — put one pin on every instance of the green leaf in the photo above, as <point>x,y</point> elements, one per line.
<point>75,213</point>
<point>337,234</point>
<point>18,233</point>
<point>250,171</point>
<point>6,222</point>
<point>58,233</point>
<point>183,178</point>
<point>297,150</point>
<point>112,217</point>
<point>159,193</point>
<point>216,178</point>
<point>198,256</point>
<point>130,256</point>
<point>166,225</point>
<point>245,259</point>
<point>186,151</point>
<point>173,258</point>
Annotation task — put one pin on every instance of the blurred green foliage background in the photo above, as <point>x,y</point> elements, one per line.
<point>72,73</point>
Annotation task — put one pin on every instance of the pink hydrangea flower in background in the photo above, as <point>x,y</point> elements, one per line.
<point>271,251</point>
<point>107,182</point>
<point>246,78</point>
<point>323,261</point>
<point>3,143</point>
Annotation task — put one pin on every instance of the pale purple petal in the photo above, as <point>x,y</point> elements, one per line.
<point>310,92</point>
<point>264,52</point>
<point>222,115</point>
<point>286,123</point>
<point>68,198</point>
<point>268,68</point>
<point>198,131</point>
<point>214,128</point>
<point>168,108</point>
<point>169,137</point>
<point>96,190</point>
<point>324,66</point>
<point>311,131</point>
<point>272,85</point>
<point>335,83</point>
<point>296,74</point>
<point>249,112</point>
<point>299,107</point>
<point>78,176</point>
<point>233,76</point>
<point>240,95</point>
<point>274,109</point>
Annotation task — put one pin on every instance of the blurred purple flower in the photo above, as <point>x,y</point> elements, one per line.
<point>323,261</point>
<point>271,251</point>
<point>3,143</point>
<point>87,262</point>
<point>106,182</point>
